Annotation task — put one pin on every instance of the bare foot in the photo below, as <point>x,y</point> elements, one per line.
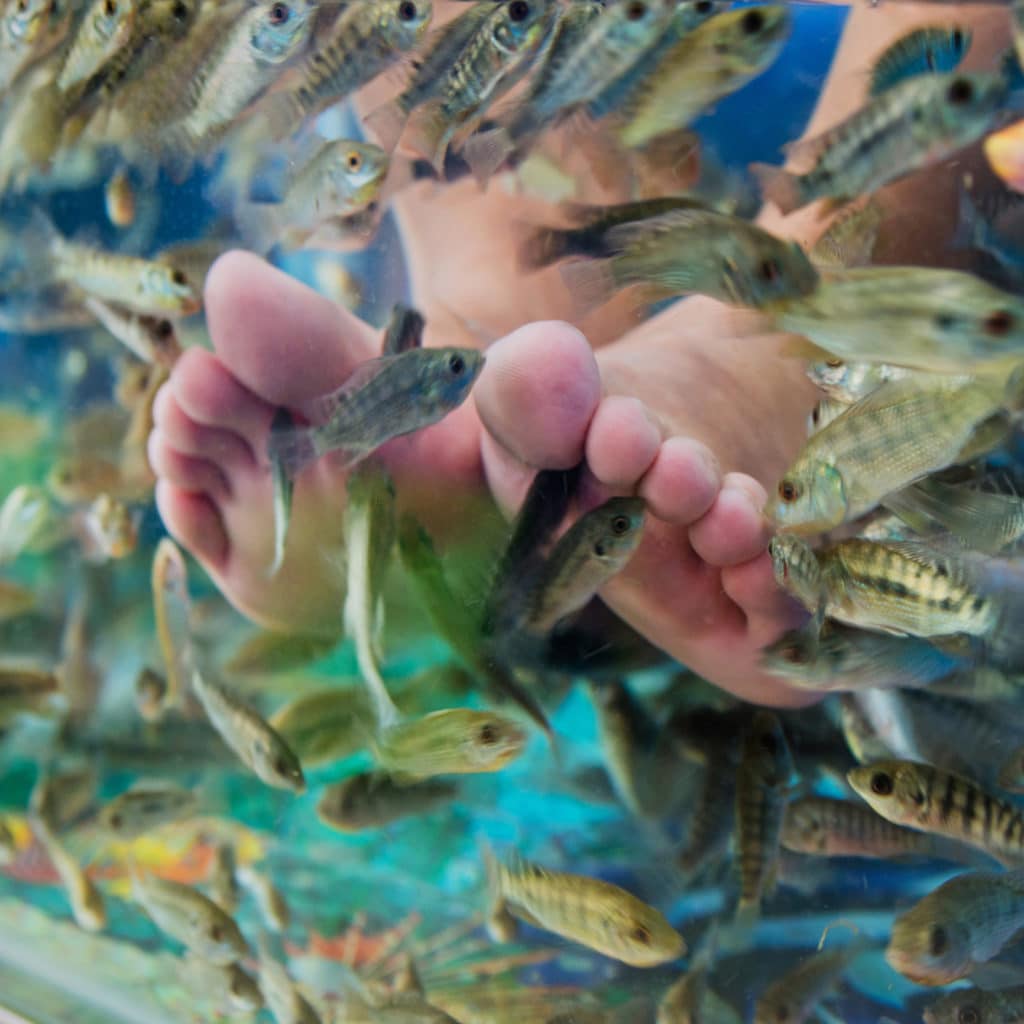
<point>700,586</point>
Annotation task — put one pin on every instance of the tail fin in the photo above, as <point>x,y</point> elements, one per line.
<point>292,449</point>
<point>485,152</point>
<point>590,283</point>
<point>543,246</point>
<point>429,133</point>
<point>779,186</point>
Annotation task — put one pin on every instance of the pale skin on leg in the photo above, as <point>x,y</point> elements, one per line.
<point>695,410</point>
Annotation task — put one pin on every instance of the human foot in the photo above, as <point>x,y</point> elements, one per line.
<point>700,585</point>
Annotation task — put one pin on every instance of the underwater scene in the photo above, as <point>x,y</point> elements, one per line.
<point>511,512</point>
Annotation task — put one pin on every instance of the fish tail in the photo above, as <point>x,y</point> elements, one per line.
<point>294,449</point>
<point>486,151</point>
<point>429,133</point>
<point>779,186</point>
<point>386,123</point>
<point>543,246</point>
<point>590,283</point>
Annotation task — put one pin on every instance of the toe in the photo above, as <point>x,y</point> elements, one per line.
<point>282,340</point>
<point>622,442</point>
<point>538,392</point>
<point>770,611</point>
<point>185,435</point>
<point>682,484</point>
<point>194,522</point>
<point>734,529</point>
<point>188,472</point>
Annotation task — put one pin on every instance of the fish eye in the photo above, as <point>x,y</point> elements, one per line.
<point>279,14</point>
<point>938,940</point>
<point>704,6</point>
<point>768,743</point>
<point>518,10</point>
<point>488,734</point>
<point>881,783</point>
<point>216,933</point>
<point>116,821</point>
<point>794,653</point>
<point>620,525</point>
<point>407,11</point>
<point>788,491</point>
<point>164,329</point>
<point>110,8</point>
<point>599,549</point>
<point>999,323</point>
<point>179,278</point>
<point>968,1015</point>
<point>456,365</point>
<point>354,160</point>
<point>958,39</point>
<point>641,934</point>
<point>22,6</point>
<point>768,271</point>
<point>281,766</point>
<point>833,364</point>
<point>753,22</point>
<point>636,10</point>
<point>960,91</point>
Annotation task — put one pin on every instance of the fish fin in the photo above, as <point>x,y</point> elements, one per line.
<point>404,330</point>
<point>541,247</point>
<point>429,133</point>
<point>779,186</point>
<point>589,282</point>
<point>486,152</point>
<point>293,449</point>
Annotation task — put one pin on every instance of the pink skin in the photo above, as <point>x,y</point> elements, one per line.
<point>700,586</point>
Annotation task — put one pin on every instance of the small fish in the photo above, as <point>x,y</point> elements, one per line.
<point>592,551</point>
<point>60,799</point>
<point>977,1006</point>
<point>87,903</point>
<point>223,881</point>
<point>942,803</point>
<point>763,779</point>
<point>280,994</point>
<point>456,741</point>
<point>107,529</point>
<point>119,199</point>
<point>912,125</point>
<point>150,694</point>
<point>847,382</point>
<point>933,49</point>
<point>104,29</point>
<point>28,30</point>
<point>689,250</point>
<point>239,989</point>
<point>172,611</point>
<point>190,918</point>
<point>794,996</point>
<point>372,800</point>
<point>146,806</point>
<point>326,725</point>
<point>593,913</point>
<point>991,222</point>
<point>1004,151</point>
<point>26,689</point>
<point>370,530</point>
<point>269,898</point>
<point>151,338</point>
<point>850,238</point>
<point>383,399</point>
<point>404,331</point>
<point>898,434</point>
<point>717,58</point>
<point>255,742</point>
<point>28,522</point>
<point>960,925</point>
<point>691,1000</point>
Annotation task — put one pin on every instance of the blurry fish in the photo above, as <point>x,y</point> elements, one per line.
<point>190,918</point>
<point>963,923</point>
<point>104,29</point>
<point>87,904</point>
<point>914,124</point>
<point>119,197</point>
<point>374,800</point>
<point>673,252</point>
<point>28,522</point>
<point>325,725</point>
<point>150,693</point>
<point>794,996</point>
<point>720,56</point>
<point>692,1001</point>
<point>146,806</point>
<point>898,434</point>
<point>269,898</point>
<point>61,798</point>
<point>455,741</point>
<point>15,599</point>
<point>269,652</point>
<point>404,331</point>
<point>383,399</point>
<point>847,382</point>
<point>992,225</point>
<point>28,30</point>
<point>593,913</point>
<point>370,531</point>
<point>107,529</point>
<point>764,777</point>
<point>863,739</point>
<point>850,238</point>
<point>25,689</point>
<point>977,1006</point>
<point>152,338</point>
<point>280,994</point>
<point>82,479</point>
<point>223,881</point>
<point>255,742</point>
<point>942,803</point>
<point>171,609</point>
<point>239,989</point>
<point>933,49</point>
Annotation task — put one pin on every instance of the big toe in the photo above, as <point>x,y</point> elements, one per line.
<point>537,394</point>
<point>285,342</point>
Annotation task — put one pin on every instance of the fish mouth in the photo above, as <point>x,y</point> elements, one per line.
<point>917,973</point>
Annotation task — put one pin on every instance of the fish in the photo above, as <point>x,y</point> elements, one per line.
<point>61,798</point>
<point>146,806</point>
<point>239,989</point>
<point>172,611</point>
<point>189,917</point>
<point>269,898</point>
<point>280,994</point>
<point>942,803</point>
<point>28,31</point>
<point>103,30</point>
<point>455,741</point>
<point>150,692</point>
<point>271,652</point>
<point>324,725</point>
<point>87,904</point>
<point>977,1006</point>
<point>372,800</point>
<point>119,199</point>
<point>680,252</point>
<point>717,58</point>
<point>151,338</point>
<point>404,330</point>
<point>912,125</point>
<point>764,777</point>
<point>898,434</point>
<point>255,742</point>
<point>107,529</point>
<point>593,550</point>
<point>957,927</point>
<point>28,522</point>
<point>384,398</point>
<point>27,689</point>
<point>224,890</point>
<point>370,531</point>
<point>588,911</point>
<point>846,382</point>
<point>691,1000</point>
<point>850,239</point>
<point>991,223</point>
<point>794,996</point>
<point>932,49</point>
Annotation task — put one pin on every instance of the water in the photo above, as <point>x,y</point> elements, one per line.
<point>364,903</point>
